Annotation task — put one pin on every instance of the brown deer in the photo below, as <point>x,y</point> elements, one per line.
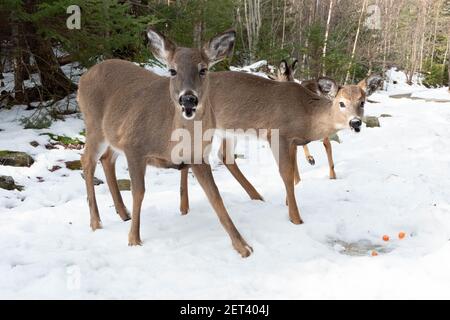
<point>131,110</point>
<point>246,101</point>
<point>285,74</point>
<point>327,88</point>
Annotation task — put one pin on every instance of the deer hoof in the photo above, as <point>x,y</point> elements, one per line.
<point>257,197</point>
<point>134,240</point>
<point>311,160</point>
<point>184,211</point>
<point>244,249</point>
<point>297,221</point>
<point>126,216</point>
<point>96,224</point>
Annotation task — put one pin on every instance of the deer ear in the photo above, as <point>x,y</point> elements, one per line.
<point>220,47</point>
<point>373,83</point>
<point>328,87</point>
<point>294,66</point>
<point>283,67</point>
<point>161,47</point>
<point>363,85</point>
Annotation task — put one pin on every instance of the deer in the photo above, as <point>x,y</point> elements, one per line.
<point>132,111</point>
<point>285,74</point>
<point>323,86</point>
<point>245,101</point>
<point>326,87</point>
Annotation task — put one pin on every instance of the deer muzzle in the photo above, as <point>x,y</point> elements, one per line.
<point>356,124</point>
<point>188,104</point>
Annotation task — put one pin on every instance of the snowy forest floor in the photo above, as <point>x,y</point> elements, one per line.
<point>390,179</point>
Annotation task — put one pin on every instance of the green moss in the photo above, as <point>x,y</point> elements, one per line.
<point>37,122</point>
<point>124,184</point>
<point>73,165</point>
<point>65,140</point>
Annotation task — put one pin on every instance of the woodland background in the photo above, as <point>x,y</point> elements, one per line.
<point>343,39</point>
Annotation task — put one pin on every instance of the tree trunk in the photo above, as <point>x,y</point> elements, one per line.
<point>199,27</point>
<point>363,9</point>
<point>198,30</point>
<point>284,24</point>
<point>54,82</point>
<point>252,13</point>
<point>448,69</point>
<point>433,49</point>
<point>325,42</point>
<point>445,59</point>
<point>19,93</point>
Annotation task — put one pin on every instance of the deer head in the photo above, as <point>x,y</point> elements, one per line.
<point>189,67</point>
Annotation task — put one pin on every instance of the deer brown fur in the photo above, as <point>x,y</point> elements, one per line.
<point>245,101</point>
<point>130,110</point>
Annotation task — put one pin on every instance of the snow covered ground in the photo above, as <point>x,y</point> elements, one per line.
<point>390,179</point>
<point>432,94</point>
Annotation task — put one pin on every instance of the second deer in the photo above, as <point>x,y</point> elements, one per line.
<point>247,101</point>
<point>327,88</point>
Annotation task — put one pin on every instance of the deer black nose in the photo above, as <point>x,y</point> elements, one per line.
<point>356,124</point>
<point>189,101</point>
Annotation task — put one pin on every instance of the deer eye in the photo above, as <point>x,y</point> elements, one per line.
<point>203,72</point>
<point>173,72</point>
<point>342,105</point>
<point>362,104</point>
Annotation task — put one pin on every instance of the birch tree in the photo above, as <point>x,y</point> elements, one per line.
<point>355,43</point>
<point>325,43</point>
<point>252,14</point>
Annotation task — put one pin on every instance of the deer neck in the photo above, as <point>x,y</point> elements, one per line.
<point>325,120</point>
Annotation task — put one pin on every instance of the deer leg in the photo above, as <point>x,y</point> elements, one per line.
<point>308,155</point>
<point>297,178</point>
<point>329,150</point>
<point>89,162</point>
<point>108,161</point>
<point>206,180</point>
<point>231,165</point>
<point>293,155</point>
<point>184,194</point>
<point>287,174</point>
<point>136,166</point>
